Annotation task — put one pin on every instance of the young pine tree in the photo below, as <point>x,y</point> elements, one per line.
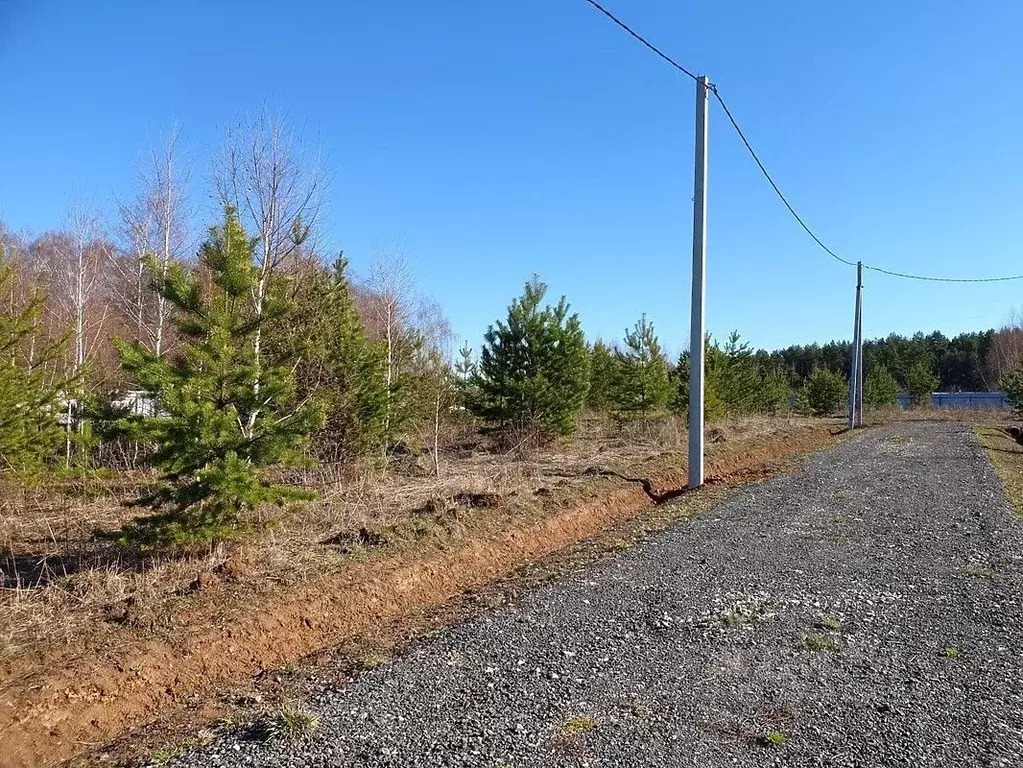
<point>737,379</point>
<point>880,387</point>
<point>1011,384</point>
<point>465,365</point>
<point>714,362</point>
<point>640,385</point>
<point>774,390</point>
<point>412,385</point>
<point>823,392</point>
<point>29,430</point>
<point>338,364</point>
<point>533,373</point>
<point>602,377</point>
<point>920,383</point>
<point>227,415</point>
<point>462,384</point>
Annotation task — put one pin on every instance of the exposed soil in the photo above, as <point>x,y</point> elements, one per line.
<point>49,713</point>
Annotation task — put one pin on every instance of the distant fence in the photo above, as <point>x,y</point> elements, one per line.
<point>963,401</point>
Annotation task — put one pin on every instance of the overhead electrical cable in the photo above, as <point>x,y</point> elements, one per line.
<point>641,39</point>
<point>770,180</point>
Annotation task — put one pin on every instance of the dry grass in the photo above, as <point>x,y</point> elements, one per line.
<point>58,584</point>
<point>886,415</point>
<point>1007,457</point>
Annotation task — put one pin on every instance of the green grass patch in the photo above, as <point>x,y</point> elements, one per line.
<point>829,623</point>
<point>977,571</point>
<point>817,642</point>
<point>575,726</point>
<point>290,722</point>
<point>374,660</point>
<point>163,755</point>
<point>773,739</point>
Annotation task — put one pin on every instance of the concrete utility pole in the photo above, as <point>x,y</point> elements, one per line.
<point>697,325</point>
<point>859,343</point>
<point>855,377</point>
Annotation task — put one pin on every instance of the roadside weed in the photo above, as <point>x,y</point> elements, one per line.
<point>291,722</point>
<point>375,660</point>
<point>164,755</point>
<point>575,726</point>
<point>952,652</point>
<point>816,642</point>
<point>739,612</point>
<point>773,739</point>
<point>977,571</point>
<point>829,622</point>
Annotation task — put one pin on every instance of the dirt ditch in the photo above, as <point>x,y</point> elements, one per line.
<point>66,712</point>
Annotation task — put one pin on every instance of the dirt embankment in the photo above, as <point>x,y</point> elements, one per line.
<point>62,713</point>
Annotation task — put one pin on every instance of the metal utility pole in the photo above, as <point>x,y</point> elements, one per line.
<point>855,377</point>
<point>697,325</point>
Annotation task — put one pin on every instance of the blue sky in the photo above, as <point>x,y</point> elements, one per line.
<point>493,139</point>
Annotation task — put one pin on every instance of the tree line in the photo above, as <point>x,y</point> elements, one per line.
<point>969,362</point>
<point>220,369</point>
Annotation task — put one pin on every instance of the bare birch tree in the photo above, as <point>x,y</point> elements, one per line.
<point>1006,350</point>
<point>416,339</point>
<point>275,182</point>
<point>438,337</point>
<point>155,227</point>
<point>78,256</point>
<point>391,288</point>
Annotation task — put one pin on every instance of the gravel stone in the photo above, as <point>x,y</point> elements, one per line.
<point>691,647</point>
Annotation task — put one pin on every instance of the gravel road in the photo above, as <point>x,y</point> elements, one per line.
<point>866,611</point>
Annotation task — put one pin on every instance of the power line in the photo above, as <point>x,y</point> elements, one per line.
<point>817,240</point>
<point>641,39</point>
<point>770,180</point>
<point>1002,279</point>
